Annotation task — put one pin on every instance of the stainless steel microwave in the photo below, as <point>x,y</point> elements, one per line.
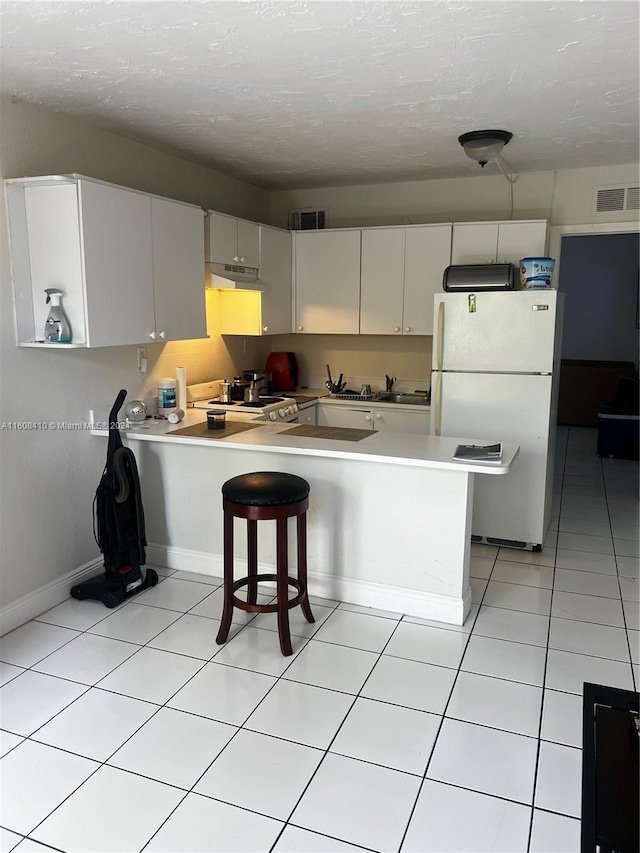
<point>471,277</point>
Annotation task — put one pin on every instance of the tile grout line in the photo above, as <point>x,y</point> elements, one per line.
<point>444,711</point>
<point>536,767</point>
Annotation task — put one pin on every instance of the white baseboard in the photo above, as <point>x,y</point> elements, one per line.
<point>200,562</point>
<point>440,608</point>
<point>34,603</point>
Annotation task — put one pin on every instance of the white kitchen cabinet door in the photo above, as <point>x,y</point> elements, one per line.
<point>427,255</point>
<point>118,267</point>
<point>474,243</point>
<point>401,421</point>
<point>497,242</point>
<point>178,270</point>
<point>276,274</point>
<point>383,418</point>
<point>308,415</point>
<point>222,238</point>
<point>248,243</point>
<point>517,240</point>
<point>327,282</point>
<point>382,281</point>
<point>232,241</point>
<point>340,416</point>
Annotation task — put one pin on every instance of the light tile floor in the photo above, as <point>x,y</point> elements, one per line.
<point>131,730</point>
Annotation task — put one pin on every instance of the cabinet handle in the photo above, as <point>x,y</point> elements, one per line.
<point>367,418</point>
<point>265,328</point>
<point>378,416</point>
<point>491,260</point>
<point>396,328</point>
<point>407,328</point>
<point>163,334</point>
<point>153,336</point>
<point>236,258</point>
<point>241,260</point>
<point>299,328</point>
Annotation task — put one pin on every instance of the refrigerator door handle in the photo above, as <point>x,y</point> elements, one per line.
<point>438,403</point>
<point>440,347</point>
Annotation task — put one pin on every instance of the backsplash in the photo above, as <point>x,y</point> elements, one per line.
<point>363,359</point>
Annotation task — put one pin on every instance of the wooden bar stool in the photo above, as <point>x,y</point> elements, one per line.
<point>266,496</point>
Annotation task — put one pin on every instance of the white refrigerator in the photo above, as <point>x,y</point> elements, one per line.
<point>496,361</point>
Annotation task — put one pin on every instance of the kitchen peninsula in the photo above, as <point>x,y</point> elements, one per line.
<point>389,523</point>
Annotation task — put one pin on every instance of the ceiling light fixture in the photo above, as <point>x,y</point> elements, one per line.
<point>484,145</point>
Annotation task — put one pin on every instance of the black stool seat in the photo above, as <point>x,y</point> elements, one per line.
<point>266,496</point>
<point>265,488</point>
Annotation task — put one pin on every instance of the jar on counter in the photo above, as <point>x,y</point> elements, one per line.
<point>166,397</point>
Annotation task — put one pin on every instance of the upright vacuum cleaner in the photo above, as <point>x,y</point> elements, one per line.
<point>118,525</point>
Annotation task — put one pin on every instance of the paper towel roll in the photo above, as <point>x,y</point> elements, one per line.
<point>181,388</point>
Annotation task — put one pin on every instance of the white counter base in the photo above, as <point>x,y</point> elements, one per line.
<point>389,522</point>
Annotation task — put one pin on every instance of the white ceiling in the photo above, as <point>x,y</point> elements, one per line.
<point>302,94</point>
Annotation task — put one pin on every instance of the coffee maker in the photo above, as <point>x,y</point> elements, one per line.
<point>283,368</point>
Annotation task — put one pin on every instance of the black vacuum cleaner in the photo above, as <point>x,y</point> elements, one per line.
<point>118,525</point>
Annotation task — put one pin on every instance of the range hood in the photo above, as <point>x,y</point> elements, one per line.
<point>233,276</point>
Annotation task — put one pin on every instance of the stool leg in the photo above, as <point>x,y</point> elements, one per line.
<point>252,560</point>
<point>302,566</point>
<point>227,609</point>
<point>282,559</point>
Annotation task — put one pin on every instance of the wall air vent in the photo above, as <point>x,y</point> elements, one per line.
<point>614,199</point>
<point>307,219</point>
<point>633,198</point>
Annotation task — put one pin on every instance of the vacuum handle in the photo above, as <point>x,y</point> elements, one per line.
<point>113,414</point>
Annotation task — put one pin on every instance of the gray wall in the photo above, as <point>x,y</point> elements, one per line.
<point>48,479</point>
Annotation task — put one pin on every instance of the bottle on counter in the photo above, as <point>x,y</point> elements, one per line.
<point>166,397</point>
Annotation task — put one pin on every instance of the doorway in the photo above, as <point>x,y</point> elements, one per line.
<point>598,274</point>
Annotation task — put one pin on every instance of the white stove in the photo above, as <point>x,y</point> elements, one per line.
<point>267,407</point>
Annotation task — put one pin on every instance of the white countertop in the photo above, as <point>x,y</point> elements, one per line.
<point>386,446</point>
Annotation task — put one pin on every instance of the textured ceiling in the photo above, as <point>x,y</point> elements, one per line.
<point>302,94</point>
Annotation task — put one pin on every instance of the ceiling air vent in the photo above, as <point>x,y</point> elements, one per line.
<point>307,219</point>
<point>616,199</point>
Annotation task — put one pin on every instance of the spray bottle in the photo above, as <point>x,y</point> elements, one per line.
<point>56,329</point>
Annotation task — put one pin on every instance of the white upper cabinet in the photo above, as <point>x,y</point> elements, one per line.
<point>276,274</point>
<point>232,241</point>
<point>130,265</point>
<point>327,265</point>
<point>402,269</point>
<point>427,255</point>
<point>178,270</point>
<point>263,311</point>
<point>382,281</point>
<point>517,240</point>
<point>118,265</point>
<point>497,242</point>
